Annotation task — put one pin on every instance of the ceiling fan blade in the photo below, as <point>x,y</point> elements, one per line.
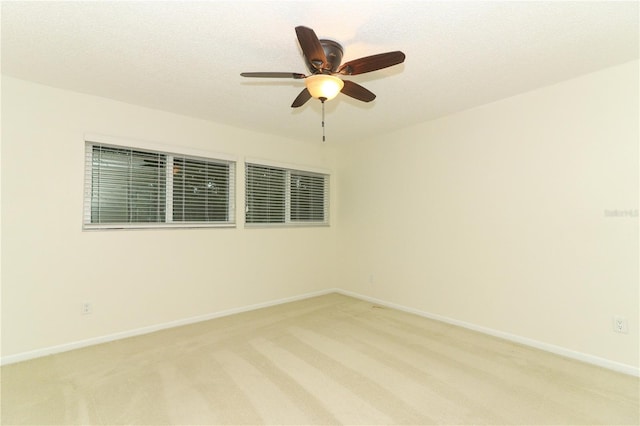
<point>302,98</point>
<point>371,63</point>
<point>273,74</point>
<point>357,92</point>
<point>311,47</point>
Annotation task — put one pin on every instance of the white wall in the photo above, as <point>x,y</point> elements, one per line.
<point>135,278</point>
<point>496,216</point>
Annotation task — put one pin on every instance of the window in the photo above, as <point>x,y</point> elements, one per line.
<point>135,188</point>
<point>265,194</point>
<point>200,191</point>
<point>307,197</point>
<point>276,195</point>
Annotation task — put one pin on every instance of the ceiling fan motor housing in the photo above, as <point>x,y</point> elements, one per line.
<point>333,51</point>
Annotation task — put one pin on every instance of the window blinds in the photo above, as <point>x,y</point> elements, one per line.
<point>308,202</point>
<point>127,187</point>
<point>265,194</point>
<point>200,191</point>
<point>284,196</point>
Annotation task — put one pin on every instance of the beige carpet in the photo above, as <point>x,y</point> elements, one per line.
<point>327,360</point>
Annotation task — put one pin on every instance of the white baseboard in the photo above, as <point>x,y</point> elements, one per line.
<point>558,350</point>
<point>591,359</point>
<point>25,356</point>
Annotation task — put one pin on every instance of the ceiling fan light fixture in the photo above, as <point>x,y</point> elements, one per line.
<point>324,86</point>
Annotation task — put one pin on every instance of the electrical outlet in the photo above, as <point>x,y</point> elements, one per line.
<point>87,308</point>
<point>620,325</point>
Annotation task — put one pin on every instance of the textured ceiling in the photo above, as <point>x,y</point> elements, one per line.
<point>186,57</point>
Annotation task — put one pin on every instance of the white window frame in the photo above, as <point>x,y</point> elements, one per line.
<point>289,169</point>
<point>170,152</point>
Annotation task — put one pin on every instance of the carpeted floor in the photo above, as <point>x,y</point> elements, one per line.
<point>326,360</point>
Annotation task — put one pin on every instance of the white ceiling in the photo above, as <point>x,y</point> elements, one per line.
<point>186,57</point>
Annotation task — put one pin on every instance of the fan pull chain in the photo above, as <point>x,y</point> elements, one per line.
<point>322,120</point>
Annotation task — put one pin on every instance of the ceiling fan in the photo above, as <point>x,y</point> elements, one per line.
<point>323,59</point>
